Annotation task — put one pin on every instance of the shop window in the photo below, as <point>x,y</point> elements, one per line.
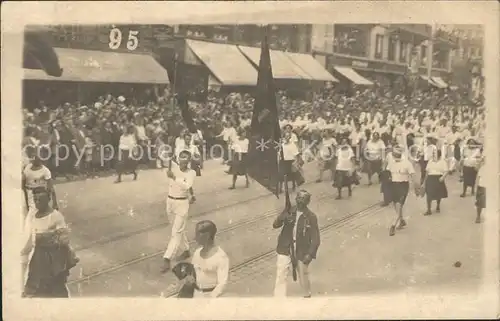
<point>379,46</point>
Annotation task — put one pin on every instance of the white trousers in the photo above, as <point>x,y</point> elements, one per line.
<point>177,211</point>
<point>283,267</point>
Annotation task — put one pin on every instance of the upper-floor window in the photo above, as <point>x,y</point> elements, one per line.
<point>350,41</point>
<point>403,51</point>
<point>379,46</point>
<point>392,48</point>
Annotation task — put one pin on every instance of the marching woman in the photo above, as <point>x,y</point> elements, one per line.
<point>385,178</point>
<point>326,155</point>
<point>238,164</point>
<point>127,146</point>
<point>210,262</point>
<point>344,171</point>
<point>470,161</point>
<point>291,155</point>
<point>373,153</point>
<point>434,182</point>
<point>47,256</point>
<point>402,173</point>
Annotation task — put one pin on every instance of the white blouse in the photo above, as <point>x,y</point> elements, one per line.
<point>212,271</point>
<point>290,151</point>
<point>240,145</point>
<point>439,167</point>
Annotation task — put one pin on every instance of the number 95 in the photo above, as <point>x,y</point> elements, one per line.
<point>115,39</point>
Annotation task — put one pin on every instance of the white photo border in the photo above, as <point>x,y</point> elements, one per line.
<point>403,305</point>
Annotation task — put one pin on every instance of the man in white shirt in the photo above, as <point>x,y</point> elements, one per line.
<point>178,200</point>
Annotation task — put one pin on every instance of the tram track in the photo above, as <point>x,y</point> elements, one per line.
<point>249,222</point>
<point>159,225</point>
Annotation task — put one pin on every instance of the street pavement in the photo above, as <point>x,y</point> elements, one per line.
<point>361,257</point>
<point>121,230</point>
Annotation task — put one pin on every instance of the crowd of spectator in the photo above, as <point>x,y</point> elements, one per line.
<point>87,128</point>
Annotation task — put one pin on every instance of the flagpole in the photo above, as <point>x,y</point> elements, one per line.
<point>174,98</point>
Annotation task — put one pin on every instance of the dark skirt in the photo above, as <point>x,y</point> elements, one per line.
<point>286,168</point>
<point>128,161</point>
<point>434,189</point>
<point>238,164</point>
<point>372,166</point>
<point>342,179</point>
<point>48,271</point>
<point>481,197</point>
<point>457,152</point>
<point>470,175</point>
<point>399,192</point>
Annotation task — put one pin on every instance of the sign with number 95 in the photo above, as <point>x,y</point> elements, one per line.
<point>116,37</point>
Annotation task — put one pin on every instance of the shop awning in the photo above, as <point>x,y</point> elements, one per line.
<point>225,62</point>
<point>439,82</point>
<point>102,66</point>
<point>353,76</point>
<point>311,66</point>
<point>283,67</point>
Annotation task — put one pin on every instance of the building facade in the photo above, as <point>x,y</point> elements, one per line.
<point>383,52</point>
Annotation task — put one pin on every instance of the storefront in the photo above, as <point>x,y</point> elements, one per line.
<point>220,66</point>
<point>365,71</point>
<point>87,72</point>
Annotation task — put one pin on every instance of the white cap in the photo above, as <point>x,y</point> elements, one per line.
<point>121,99</point>
<point>97,105</point>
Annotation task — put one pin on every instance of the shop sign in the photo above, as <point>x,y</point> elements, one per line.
<point>360,64</point>
<point>375,66</point>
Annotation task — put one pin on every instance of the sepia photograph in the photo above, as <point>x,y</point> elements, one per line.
<point>252,160</point>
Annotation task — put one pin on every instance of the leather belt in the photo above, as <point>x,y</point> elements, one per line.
<point>177,198</point>
<point>207,290</point>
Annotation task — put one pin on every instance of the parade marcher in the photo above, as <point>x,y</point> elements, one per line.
<point>326,155</point>
<point>291,154</point>
<point>385,178</point>
<point>127,148</point>
<point>427,149</point>
<point>402,173</point>
<point>228,134</point>
<point>181,179</point>
<point>480,189</point>
<point>36,175</point>
<point>298,243</point>
<point>471,155</point>
<point>210,262</point>
<point>373,153</point>
<point>434,182</point>
<point>239,161</point>
<point>47,256</point>
<point>344,170</point>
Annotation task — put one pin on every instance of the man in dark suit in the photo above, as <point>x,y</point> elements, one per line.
<point>298,244</point>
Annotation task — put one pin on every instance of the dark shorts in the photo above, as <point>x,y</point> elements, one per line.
<point>399,192</point>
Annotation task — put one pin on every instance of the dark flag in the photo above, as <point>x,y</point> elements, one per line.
<point>38,53</point>
<point>182,101</point>
<point>263,164</point>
